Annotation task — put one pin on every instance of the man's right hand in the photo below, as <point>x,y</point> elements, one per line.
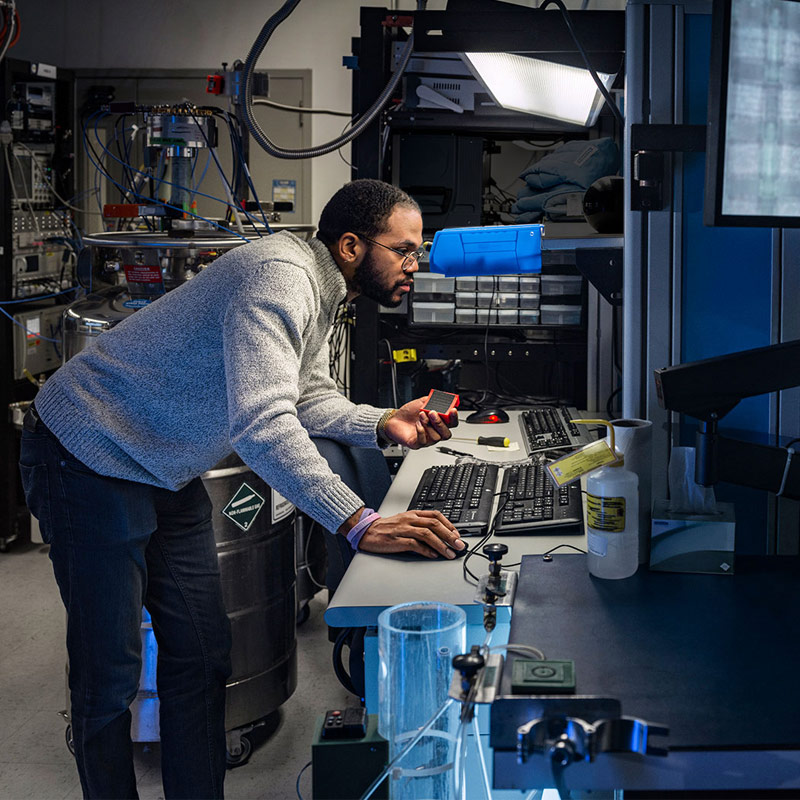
<point>425,532</point>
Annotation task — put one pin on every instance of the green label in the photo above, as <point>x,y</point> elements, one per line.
<point>167,140</point>
<point>243,507</point>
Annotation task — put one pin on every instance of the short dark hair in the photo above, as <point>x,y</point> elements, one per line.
<point>361,206</point>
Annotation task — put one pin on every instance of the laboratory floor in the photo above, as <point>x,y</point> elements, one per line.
<point>35,763</point>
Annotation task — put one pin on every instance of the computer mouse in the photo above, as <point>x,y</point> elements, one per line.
<point>487,416</point>
<point>411,556</point>
<point>458,553</point>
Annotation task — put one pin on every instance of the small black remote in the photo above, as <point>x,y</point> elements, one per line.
<point>345,723</point>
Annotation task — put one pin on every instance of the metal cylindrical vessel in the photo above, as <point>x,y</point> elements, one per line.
<point>256,551</point>
<point>90,316</point>
<point>254,530</point>
<point>146,258</point>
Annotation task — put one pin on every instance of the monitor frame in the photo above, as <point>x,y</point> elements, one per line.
<point>718,91</point>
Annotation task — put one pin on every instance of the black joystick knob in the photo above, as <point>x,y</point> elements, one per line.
<point>494,552</point>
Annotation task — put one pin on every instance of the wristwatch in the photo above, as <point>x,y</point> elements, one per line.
<point>380,429</point>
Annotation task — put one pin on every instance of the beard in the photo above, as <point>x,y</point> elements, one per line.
<point>370,282</point>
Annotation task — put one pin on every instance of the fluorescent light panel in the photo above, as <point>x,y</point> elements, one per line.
<point>538,87</point>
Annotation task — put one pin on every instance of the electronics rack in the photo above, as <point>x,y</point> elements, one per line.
<point>433,154</point>
<point>35,261</point>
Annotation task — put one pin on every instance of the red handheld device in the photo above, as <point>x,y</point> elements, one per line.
<point>444,404</point>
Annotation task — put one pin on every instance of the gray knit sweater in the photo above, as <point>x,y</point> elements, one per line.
<point>236,358</point>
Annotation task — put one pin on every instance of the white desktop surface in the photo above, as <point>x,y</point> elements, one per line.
<point>373,582</point>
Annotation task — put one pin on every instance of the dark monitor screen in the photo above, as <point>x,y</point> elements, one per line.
<point>753,145</point>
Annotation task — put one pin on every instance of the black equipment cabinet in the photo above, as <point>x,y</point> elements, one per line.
<point>442,159</point>
<point>36,170</point>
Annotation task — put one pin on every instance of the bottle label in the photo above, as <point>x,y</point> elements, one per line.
<point>605,513</point>
<point>570,467</point>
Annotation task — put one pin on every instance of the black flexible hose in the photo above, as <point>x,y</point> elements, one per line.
<point>258,132</point>
<point>338,666</point>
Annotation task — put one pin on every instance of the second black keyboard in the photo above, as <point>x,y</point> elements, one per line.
<point>464,493</point>
<point>532,504</point>
<point>551,426</point>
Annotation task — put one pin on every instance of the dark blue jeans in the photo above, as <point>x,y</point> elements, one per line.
<point>115,546</point>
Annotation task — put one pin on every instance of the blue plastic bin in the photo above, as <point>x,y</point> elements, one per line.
<point>493,250</point>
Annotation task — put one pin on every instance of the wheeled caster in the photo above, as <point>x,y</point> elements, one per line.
<point>303,613</point>
<point>239,751</point>
<point>68,737</point>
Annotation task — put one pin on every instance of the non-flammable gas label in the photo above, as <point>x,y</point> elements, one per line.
<point>244,506</point>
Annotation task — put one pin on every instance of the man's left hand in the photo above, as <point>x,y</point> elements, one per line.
<point>414,428</point>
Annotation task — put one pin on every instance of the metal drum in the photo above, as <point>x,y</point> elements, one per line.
<point>254,529</point>
<point>146,258</point>
<point>87,318</point>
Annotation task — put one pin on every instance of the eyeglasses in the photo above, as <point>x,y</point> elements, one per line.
<point>410,260</point>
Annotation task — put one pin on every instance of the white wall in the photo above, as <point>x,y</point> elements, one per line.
<point>175,34</point>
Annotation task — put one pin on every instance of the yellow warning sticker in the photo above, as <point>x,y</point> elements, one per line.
<point>569,468</point>
<point>605,513</point>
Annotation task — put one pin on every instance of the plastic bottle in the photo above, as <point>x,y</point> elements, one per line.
<point>612,518</point>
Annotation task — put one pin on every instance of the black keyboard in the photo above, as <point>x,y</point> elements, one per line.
<point>531,504</point>
<point>550,426</point>
<point>534,505</point>
<point>464,493</point>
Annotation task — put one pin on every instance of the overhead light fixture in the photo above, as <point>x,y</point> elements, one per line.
<point>539,87</point>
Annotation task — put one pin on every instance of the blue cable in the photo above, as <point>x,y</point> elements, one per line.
<point>64,240</point>
<point>27,332</point>
<point>300,775</point>
<point>202,175</point>
<point>38,297</point>
<point>79,196</point>
<point>236,171</point>
<point>236,144</point>
<point>222,172</point>
<point>97,191</point>
<point>102,171</point>
<point>194,164</point>
<point>78,234</point>
<point>161,171</point>
<point>57,341</point>
<point>121,130</point>
<point>238,150</point>
<point>168,183</point>
<point>161,180</point>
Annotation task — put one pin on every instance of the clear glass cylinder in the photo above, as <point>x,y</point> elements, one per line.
<point>416,645</point>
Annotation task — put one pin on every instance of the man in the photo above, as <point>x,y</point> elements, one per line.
<point>237,358</point>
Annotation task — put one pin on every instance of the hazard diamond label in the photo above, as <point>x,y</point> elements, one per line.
<point>244,506</point>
